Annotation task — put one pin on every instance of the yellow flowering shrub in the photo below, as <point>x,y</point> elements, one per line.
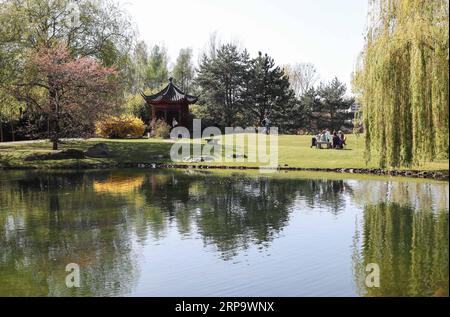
<point>124,126</point>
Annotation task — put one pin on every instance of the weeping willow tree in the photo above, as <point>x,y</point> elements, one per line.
<point>402,81</point>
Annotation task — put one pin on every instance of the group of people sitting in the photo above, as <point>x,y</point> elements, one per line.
<point>335,140</point>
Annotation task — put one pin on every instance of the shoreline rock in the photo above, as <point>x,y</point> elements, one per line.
<point>378,172</point>
<point>436,175</point>
<point>99,150</point>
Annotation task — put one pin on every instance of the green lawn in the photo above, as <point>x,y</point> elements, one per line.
<point>294,151</point>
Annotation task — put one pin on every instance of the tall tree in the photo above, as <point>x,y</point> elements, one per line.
<point>310,102</point>
<point>213,45</point>
<point>269,93</point>
<point>328,106</point>
<point>302,77</point>
<point>157,70</point>
<point>221,80</point>
<point>183,71</point>
<point>140,65</point>
<point>403,83</point>
<point>68,94</point>
<point>87,28</point>
<point>10,108</point>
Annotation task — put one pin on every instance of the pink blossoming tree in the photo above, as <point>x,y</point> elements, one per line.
<point>66,94</point>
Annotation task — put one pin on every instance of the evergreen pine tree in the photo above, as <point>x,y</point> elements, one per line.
<point>221,81</point>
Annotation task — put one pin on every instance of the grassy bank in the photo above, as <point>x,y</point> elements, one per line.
<point>294,151</point>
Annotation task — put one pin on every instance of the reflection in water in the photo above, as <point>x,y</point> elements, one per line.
<point>417,195</point>
<point>410,246</point>
<point>119,184</point>
<point>103,220</point>
<point>48,221</point>
<point>407,235</point>
<point>327,192</point>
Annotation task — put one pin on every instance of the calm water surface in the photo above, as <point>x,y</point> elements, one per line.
<point>186,233</point>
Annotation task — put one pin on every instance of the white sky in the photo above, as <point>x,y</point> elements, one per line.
<point>327,33</point>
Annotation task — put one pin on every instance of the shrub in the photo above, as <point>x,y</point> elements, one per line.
<point>120,127</point>
<point>160,129</point>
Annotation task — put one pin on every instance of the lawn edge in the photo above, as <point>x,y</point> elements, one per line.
<point>424,174</point>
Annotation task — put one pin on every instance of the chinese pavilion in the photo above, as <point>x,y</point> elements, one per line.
<point>170,103</point>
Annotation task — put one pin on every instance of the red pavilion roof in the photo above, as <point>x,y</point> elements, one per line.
<point>171,94</point>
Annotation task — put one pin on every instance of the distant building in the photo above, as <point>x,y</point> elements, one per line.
<point>170,103</point>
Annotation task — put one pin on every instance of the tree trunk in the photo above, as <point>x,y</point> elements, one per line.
<point>13,136</point>
<point>1,132</point>
<point>54,115</point>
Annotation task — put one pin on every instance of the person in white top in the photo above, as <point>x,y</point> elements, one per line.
<point>328,134</point>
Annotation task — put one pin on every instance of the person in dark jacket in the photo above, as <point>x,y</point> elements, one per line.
<point>314,140</point>
<point>337,144</point>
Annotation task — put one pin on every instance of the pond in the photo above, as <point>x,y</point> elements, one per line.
<point>204,233</point>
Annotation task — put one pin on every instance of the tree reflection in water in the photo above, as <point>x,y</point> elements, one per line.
<point>97,219</point>
<point>50,220</point>
<point>410,246</point>
<point>235,211</point>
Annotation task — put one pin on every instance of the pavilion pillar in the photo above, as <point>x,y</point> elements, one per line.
<point>152,118</point>
<point>153,114</point>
